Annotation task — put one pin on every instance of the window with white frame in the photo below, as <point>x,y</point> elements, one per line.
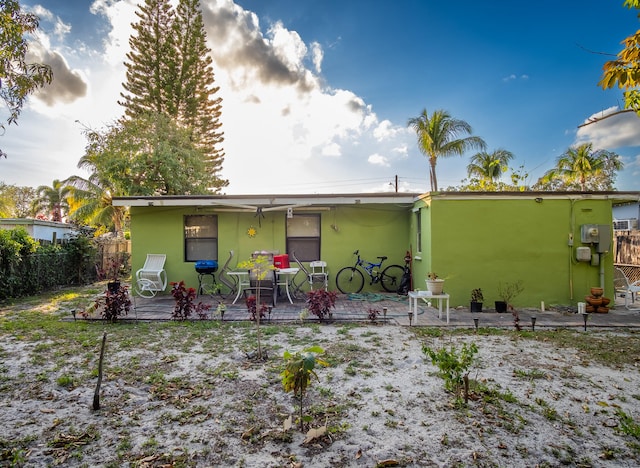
<point>303,237</point>
<point>200,237</point>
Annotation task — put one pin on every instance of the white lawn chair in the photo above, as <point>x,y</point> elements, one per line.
<point>151,278</point>
<point>624,288</point>
<point>318,274</point>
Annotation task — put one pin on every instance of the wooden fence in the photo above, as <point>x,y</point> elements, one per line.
<point>626,253</point>
<point>113,251</point>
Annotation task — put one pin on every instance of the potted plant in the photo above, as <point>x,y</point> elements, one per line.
<point>476,300</point>
<point>507,292</point>
<point>114,265</point>
<point>320,302</point>
<point>434,284</point>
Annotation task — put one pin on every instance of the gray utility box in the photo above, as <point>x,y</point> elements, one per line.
<point>598,234</point>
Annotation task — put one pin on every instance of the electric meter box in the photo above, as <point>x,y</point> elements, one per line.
<point>598,234</point>
<point>583,254</point>
<point>589,234</point>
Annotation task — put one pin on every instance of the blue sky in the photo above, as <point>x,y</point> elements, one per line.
<point>523,75</point>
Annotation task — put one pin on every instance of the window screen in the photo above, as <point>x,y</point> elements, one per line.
<point>303,237</point>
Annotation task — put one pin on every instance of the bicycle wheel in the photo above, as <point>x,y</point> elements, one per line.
<point>349,280</point>
<point>391,278</point>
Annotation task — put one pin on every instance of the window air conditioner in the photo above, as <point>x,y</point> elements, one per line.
<point>625,224</point>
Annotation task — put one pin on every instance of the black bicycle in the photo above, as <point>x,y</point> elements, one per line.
<point>351,279</point>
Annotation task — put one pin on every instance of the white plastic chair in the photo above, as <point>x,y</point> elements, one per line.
<point>151,278</point>
<point>318,273</point>
<point>624,287</point>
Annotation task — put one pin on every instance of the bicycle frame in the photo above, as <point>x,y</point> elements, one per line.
<point>369,267</point>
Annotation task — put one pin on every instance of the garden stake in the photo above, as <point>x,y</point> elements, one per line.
<point>533,324</point>
<point>475,322</point>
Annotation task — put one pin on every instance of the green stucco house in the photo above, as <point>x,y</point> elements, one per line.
<point>557,243</point>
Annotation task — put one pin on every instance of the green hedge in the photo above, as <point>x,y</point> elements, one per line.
<point>27,268</point>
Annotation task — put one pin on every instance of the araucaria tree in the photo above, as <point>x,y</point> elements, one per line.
<point>18,78</point>
<point>439,137</point>
<point>169,73</point>
<point>582,168</point>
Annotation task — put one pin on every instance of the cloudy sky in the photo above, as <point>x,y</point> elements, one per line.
<point>317,93</point>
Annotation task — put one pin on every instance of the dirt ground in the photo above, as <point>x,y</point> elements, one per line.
<point>178,394</point>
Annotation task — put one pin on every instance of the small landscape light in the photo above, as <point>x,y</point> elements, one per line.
<point>384,313</point>
<point>475,322</point>
<point>533,324</point>
<point>585,316</point>
<point>410,317</point>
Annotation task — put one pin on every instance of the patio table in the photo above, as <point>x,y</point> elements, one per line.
<point>413,302</point>
<point>284,277</point>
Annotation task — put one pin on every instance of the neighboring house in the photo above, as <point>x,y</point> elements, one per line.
<point>41,230</point>
<point>557,243</point>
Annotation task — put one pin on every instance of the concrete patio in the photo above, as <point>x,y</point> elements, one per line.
<point>356,309</point>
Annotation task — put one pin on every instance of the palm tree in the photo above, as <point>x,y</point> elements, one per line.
<point>52,199</point>
<point>581,167</point>
<point>92,204</point>
<point>438,138</point>
<point>488,167</point>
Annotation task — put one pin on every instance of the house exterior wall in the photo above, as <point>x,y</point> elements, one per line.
<point>478,243</point>
<point>375,230</point>
<point>39,229</point>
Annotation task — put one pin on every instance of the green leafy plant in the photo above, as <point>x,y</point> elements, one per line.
<point>260,266</point>
<point>627,424</point>
<point>476,295</point>
<point>454,367</point>
<point>185,302</point>
<point>320,302</point>
<point>299,369</point>
<point>114,303</point>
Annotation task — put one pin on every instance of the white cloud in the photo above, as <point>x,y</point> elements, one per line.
<point>378,160</point>
<point>609,131</point>
<point>285,131</point>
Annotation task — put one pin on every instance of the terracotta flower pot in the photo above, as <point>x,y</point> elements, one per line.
<point>597,292</point>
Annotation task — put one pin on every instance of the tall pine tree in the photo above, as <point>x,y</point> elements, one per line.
<point>194,90</point>
<point>169,73</point>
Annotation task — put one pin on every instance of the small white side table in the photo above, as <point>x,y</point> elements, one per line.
<point>413,302</point>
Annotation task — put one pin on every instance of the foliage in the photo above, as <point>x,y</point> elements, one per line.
<point>453,366</point>
<point>252,308</point>
<point>627,425</point>
<point>510,290</point>
<point>298,371</point>
<point>170,46</point>
<point>582,168</point>
<point>623,71</point>
<point>185,302</point>
<point>16,201</point>
<point>259,267</point>
<point>320,302</point>
<point>27,267</point>
<point>18,79</point>
<point>373,314</point>
<point>488,167</point>
<point>438,138</point>
<point>476,295</point>
<point>52,201</point>
<point>114,303</point>
<point>432,275</point>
